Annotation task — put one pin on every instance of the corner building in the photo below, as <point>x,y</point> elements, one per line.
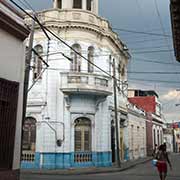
<point>70,107</point>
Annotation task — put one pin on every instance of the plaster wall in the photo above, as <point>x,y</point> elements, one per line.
<point>137,136</point>
<point>12,66</point>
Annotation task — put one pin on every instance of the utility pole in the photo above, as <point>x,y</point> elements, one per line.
<point>174,141</point>
<point>116,115</point>
<point>26,77</point>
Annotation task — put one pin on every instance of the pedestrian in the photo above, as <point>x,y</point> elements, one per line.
<point>162,157</point>
<point>155,150</point>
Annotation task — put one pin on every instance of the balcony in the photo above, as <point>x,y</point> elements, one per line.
<point>85,83</point>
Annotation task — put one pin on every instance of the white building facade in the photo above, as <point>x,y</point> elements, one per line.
<point>70,107</point>
<point>136,132</point>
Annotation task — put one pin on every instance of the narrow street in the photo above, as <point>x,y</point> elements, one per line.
<point>141,172</point>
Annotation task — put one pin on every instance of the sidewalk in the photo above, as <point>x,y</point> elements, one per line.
<point>84,171</point>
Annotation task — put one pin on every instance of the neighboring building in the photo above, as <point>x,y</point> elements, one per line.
<point>177,139</point>
<point>12,67</point>
<point>70,108</point>
<point>168,137</point>
<point>175,128</point>
<point>148,101</point>
<point>136,132</point>
<point>175,21</point>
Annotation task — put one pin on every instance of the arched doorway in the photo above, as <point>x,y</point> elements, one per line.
<point>82,140</point>
<point>29,139</point>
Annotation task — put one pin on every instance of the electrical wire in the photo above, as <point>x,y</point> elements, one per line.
<point>163,30</point>
<point>153,80</point>
<point>62,41</point>
<point>152,61</point>
<point>153,72</point>
<point>141,32</point>
<point>124,30</point>
<point>131,72</point>
<point>158,51</point>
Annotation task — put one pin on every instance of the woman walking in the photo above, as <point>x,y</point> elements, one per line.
<point>162,157</point>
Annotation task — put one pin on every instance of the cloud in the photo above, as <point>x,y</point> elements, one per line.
<point>171,95</point>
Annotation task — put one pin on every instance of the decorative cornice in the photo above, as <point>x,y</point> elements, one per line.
<point>116,42</point>
<point>79,19</point>
<point>11,26</point>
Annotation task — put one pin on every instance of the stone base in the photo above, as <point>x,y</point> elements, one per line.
<point>9,174</point>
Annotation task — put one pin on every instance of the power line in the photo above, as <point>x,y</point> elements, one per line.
<point>149,47</point>
<point>141,32</point>
<point>153,80</point>
<point>163,30</point>
<point>158,51</point>
<point>145,40</point>
<point>152,61</point>
<point>152,72</point>
<point>62,41</point>
<point>102,55</point>
<point>131,72</point>
<point>53,34</point>
<point>124,30</point>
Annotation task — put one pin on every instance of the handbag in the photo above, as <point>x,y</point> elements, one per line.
<point>154,162</point>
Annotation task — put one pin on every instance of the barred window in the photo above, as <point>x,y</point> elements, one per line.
<point>90,59</point>
<point>29,134</point>
<point>82,135</point>
<point>60,4</point>
<point>76,63</point>
<point>37,64</point>
<point>89,5</point>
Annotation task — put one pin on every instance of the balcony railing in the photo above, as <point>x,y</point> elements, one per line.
<point>85,83</point>
<point>82,157</point>
<point>28,156</point>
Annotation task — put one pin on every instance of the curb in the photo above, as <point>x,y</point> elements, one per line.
<point>84,171</point>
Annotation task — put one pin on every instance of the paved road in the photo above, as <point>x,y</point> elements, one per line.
<point>140,172</point>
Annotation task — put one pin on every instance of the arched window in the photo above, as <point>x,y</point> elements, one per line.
<point>90,58</point>
<point>77,4</point>
<point>59,4</point>
<point>76,63</point>
<point>29,134</point>
<point>89,5</point>
<point>82,141</point>
<point>37,65</point>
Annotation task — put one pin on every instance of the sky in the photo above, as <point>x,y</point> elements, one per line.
<point>153,61</point>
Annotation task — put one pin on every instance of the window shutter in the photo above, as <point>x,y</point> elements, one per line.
<point>77,140</point>
<point>86,140</point>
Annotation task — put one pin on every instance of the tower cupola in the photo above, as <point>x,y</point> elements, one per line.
<point>88,5</point>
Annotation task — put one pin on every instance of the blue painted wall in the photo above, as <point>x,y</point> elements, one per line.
<point>66,160</point>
